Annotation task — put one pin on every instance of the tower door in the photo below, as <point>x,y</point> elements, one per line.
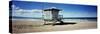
<point>47,15</point>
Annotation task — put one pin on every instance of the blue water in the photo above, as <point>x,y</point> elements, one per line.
<point>63,19</point>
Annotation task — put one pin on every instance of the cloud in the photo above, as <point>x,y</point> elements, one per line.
<point>17,11</point>
<point>14,7</point>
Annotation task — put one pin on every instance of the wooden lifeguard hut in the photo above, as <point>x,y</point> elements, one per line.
<point>51,15</point>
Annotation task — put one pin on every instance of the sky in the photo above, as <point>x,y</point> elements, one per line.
<point>34,9</point>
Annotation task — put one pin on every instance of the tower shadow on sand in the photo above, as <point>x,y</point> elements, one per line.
<point>62,23</point>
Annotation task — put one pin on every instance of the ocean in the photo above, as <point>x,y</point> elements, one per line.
<point>63,19</point>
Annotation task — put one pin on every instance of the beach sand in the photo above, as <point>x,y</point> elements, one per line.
<point>19,26</point>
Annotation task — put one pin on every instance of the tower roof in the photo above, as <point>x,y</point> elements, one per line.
<point>52,9</point>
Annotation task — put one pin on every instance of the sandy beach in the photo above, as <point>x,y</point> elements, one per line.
<point>23,26</point>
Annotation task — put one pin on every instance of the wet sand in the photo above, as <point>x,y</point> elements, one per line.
<point>19,26</point>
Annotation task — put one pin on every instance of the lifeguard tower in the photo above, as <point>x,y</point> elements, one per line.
<point>51,15</point>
